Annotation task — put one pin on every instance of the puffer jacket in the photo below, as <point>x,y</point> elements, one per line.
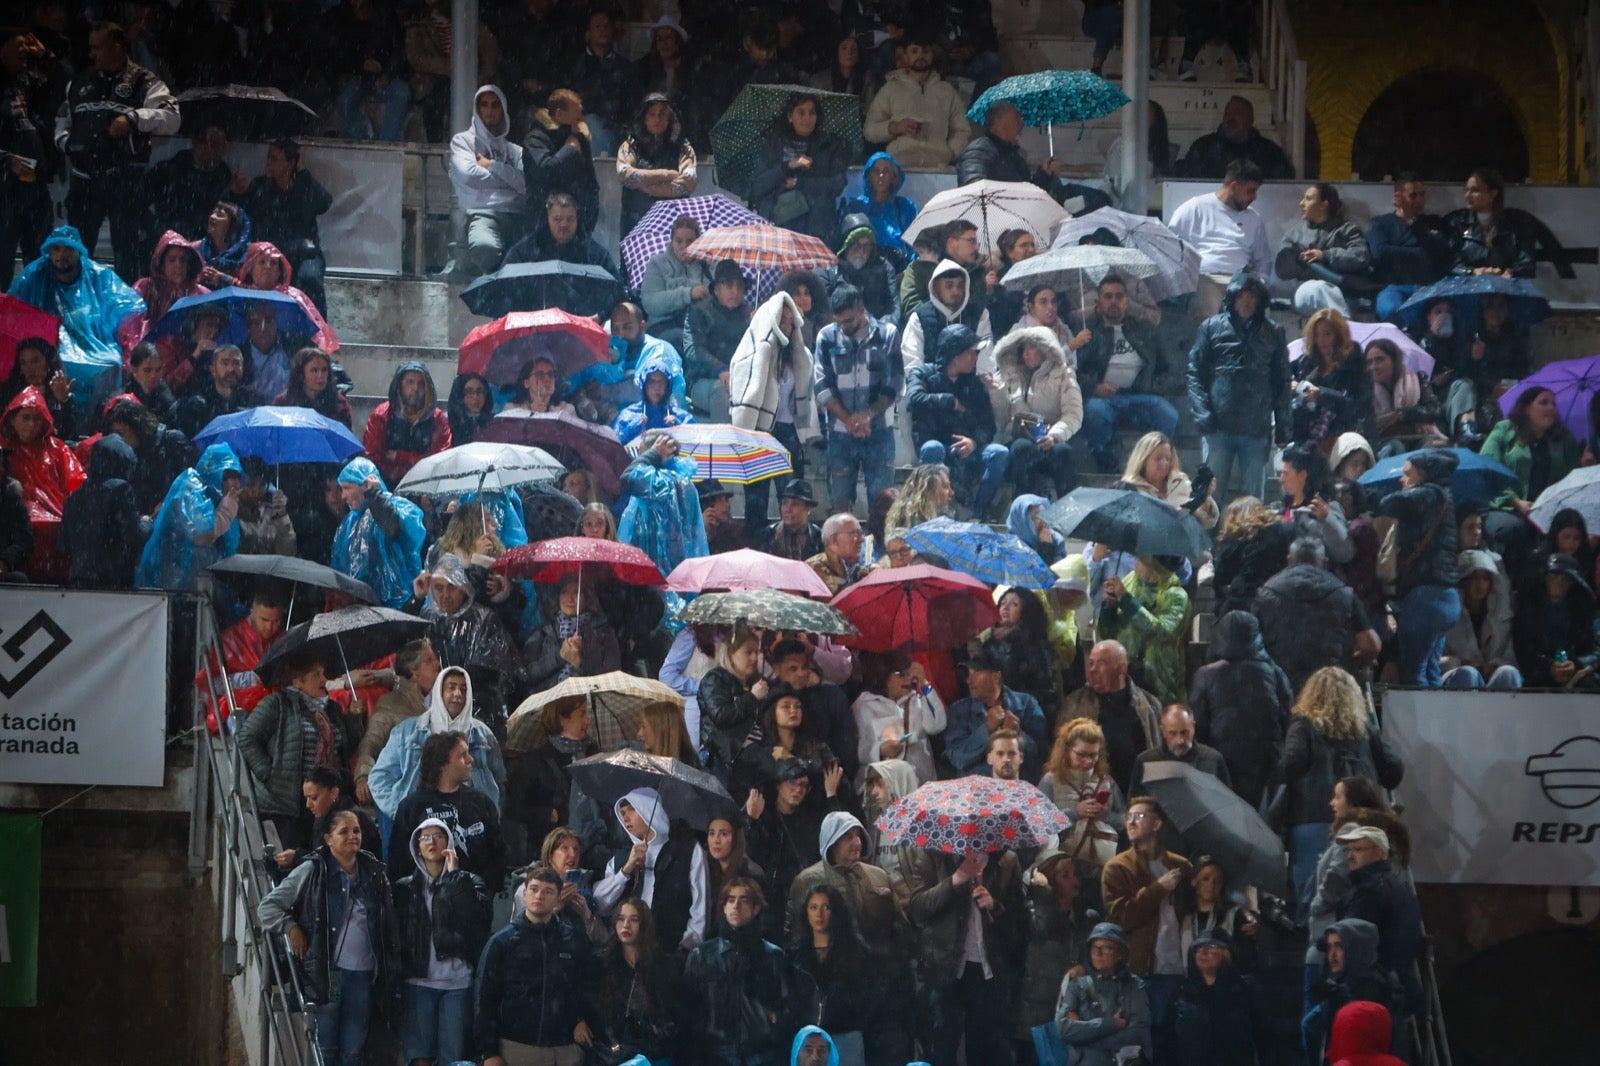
<point>932,398</point>
<point>756,366</point>
<point>1239,371</point>
<point>532,985</point>
<point>1343,246</point>
<point>1241,701</point>
<point>271,742</point>
<point>1344,405</point>
<point>440,919</point>
<point>727,712</point>
<point>1308,619</point>
<point>731,984</point>
<point>303,899</point>
<point>1426,536</point>
<point>1051,392</point>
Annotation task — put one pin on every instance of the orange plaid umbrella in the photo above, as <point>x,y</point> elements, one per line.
<point>762,248</point>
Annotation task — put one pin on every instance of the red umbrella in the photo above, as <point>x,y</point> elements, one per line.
<point>746,570</point>
<point>18,322</point>
<point>551,560</point>
<point>972,814</point>
<point>763,248</point>
<point>498,349</point>
<point>916,608</point>
<point>575,443</point>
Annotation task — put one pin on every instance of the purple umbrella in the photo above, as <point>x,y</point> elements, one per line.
<point>1574,381</point>
<point>653,233</point>
<point>1363,333</point>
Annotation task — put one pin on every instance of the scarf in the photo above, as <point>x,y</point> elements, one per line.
<point>1406,392</point>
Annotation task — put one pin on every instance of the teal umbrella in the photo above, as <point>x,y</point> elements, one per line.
<point>1052,97</point>
<point>737,136</point>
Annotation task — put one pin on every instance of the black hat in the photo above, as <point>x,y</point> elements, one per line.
<point>983,659</point>
<point>726,272</point>
<point>711,489</point>
<point>798,489</point>
<point>1567,566</point>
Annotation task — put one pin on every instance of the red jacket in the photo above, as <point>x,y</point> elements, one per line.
<point>242,648</point>
<point>1362,1032</point>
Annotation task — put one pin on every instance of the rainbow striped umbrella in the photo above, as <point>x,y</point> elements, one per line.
<point>729,453</point>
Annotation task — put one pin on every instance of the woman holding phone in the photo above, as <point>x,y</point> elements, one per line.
<point>1078,780</point>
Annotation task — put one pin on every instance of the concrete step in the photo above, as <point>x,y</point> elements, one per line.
<point>371,366</point>
<point>407,311</point>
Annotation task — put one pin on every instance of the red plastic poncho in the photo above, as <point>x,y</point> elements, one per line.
<point>48,471</point>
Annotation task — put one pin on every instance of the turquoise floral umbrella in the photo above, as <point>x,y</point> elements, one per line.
<point>1050,98</point>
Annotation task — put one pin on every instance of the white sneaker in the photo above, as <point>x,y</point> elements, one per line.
<point>1186,71</point>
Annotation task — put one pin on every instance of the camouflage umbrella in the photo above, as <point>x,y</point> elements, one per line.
<point>737,136</point>
<point>768,609</point>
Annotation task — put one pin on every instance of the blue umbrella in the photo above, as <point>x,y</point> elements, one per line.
<point>282,435</point>
<point>1477,478</point>
<point>1528,304</point>
<point>992,557</point>
<point>1050,97</point>
<point>235,302</point>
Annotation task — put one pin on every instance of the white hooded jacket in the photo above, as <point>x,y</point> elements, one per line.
<point>499,187</point>
<point>610,890</point>
<point>757,365</point>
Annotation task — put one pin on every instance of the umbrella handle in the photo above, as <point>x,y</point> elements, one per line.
<point>348,680</point>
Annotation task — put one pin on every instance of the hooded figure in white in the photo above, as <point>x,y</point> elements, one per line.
<point>913,344</point>
<point>642,815</point>
<point>399,767</point>
<point>763,386</point>
<point>486,171</point>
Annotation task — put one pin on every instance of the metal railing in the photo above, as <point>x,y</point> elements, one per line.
<point>224,820</point>
<point>1284,74</point>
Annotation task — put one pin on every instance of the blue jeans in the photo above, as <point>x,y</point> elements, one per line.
<point>1104,24</point>
<point>1224,451</point>
<point>1140,410</point>
<point>987,467</point>
<point>1390,297</point>
<point>433,1022</point>
<point>1307,842</point>
<point>342,1021</point>
<point>353,122</point>
<point>602,139</point>
<point>871,458</point>
<point>1470,679</point>
<point>1424,616</point>
<point>1162,990</point>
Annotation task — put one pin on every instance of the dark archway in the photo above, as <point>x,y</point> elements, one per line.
<point>1440,123</point>
<point>1547,980</point>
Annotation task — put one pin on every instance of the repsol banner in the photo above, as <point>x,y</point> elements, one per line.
<point>1499,788</point>
<point>83,685</point>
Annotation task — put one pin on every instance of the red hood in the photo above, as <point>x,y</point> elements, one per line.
<point>174,239</point>
<point>31,398</point>
<point>257,250</point>
<point>1362,1031</point>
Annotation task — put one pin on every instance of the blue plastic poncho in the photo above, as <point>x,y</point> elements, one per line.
<point>90,310</point>
<point>506,510</point>
<point>889,220</point>
<point>638,417</point>
<point>183,541</point>
<point>663,518</point>
<point>363,550</point>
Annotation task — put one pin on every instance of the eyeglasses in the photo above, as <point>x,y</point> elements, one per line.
<point>1138,816</point>
<point>1092,755</point>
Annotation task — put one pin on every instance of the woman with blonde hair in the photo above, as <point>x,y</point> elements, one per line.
<point>925,496</point>
<point>597,522</point>
<point>1154,470</point>
<point>1078,780</point>
<point>730,694</point>
<point>663,732</point>
<point>1332,393</point>
<point>1252,546</point>
<point>1331,736</point>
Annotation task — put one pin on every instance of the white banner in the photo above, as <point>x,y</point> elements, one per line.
<point>83,688</point>
<point>1500,788</point>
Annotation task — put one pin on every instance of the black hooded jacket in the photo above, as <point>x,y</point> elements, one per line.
<point>1309,619</point>
<point>455,925</point>
<point>933,399</point>
<point>16,529</point>
<point>1239,370</point>
<point>1426,541</point>
<point>1241,702</point>
<point>100,524</point>
<point>1214,1024</point>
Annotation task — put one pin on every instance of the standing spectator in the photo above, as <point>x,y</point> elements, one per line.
<point>1406,413</point>
<point>1425,549</point>
<point>1235,140</point>
<point>1229,234</point>
<point>530,1000</point>
<point>100,532</point>
<point>287,734</point>
<point>793,535</point>
<point>575,641</point>
<point>898,713</point>
<point>1306,504</point>
<point>444,914</point>
<point>398,769</point>
<point>887,211</point>
<point>1147,611</point>
<point>662,516</point>
<point>1020,642</point>
<point>442,791</point>
<point>839,563</point>
<point>26,144</point>
<point>917,114</point>
<point>1378,895</point>
<point>427,48</point>
<point>737,986</point>
<point>952,419</point>
<point>1332,393</point>
<point>1310,618</point>
<point>1249,551</point>
<point>970,918</point>
<point>1239,387</point>
<point>1178,745</point>
<point>380,540</point>
<point>184,187</point>
<point>409,426</point>
<point>848,73</point>
<point>1079,782</point>
<point>1213,1018</point>
<point>369,65</point>
<point>665,868</point>
<point>656,408</point>
<point>1139,886</point>
<point>1106,1010</point>
<point>264,527</point>
<point>858,380</point>
<point>949,301</point>
<point>1241,701</point>
<point>729,695</point>
<point>604,79</point>
<point>339,915</point>
<point>486,170</point>
<point>799,170</point>
<point>770,379</point>
<point>1121,372</point>
<point>992,706</point>
<point>673,283</point>
<point>655,161</point>
<point>283,205</point>
<point>110,113</point>
<point>1046,409</point>
<point>558,235</point>
<point>161,453</point>
<point>664,70</point>
<point>1058,929</point>
<point>557,157</point>
<point>1409,247</point>
<point>1129,716</point>
<point>196,526</point>
<point>1322,251</point>
<point>1351,975</point>
<point>416,668</point>
<point>639,986</point>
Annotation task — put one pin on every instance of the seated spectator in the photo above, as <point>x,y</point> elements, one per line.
<point>713,331</point>
<point>1478,648</point>
<point>470,407</point>
<point>311,385</point>
<point>184,187</point>
<point>749,57</point>
<point>533,36</point>
<point>1240,701</point>
<point>604,78</point>
<point>995,155</point>
<point>267,269</point>
<point>673,283</point>
<point>175,268</point>
<point>369,66</point>
<point>1405,410</point>
<point>770,380</point>
<point>268,357</point>
<point>161,453</point>
<point>952,420</point>
<point>1046,409</point>
<point>1409,247</point>
<point>839,563</point>
<point>264,527</point>
<point>536,389</point>
<point>724,533</point>
<point>100,523</point>
<point>573,642</point>
<point>1568,534</point>
<point>558,235</point>
<point>283,205</point>
<point>864,267</point>
<point>1352,456</point>
<point>1499,353</point>
<point>225,243</point>
<point>1311,619</point>
<point>917,114</point>
<point>1533,444</point>
<point>1486,237</point>
<point>379,540</point>
<point>1350,977</point>
<point>38,365</point>
<point>1236,139</point>
<point>486,171</point>
<point>662,514</point>
<point>886,210</point>
<point>1107,1009</point>
<point>47,472</point>
<point>1025,522</point>
<point>89,298</point>
<point>1148,612</point>
<point>408,426</point>
<point>655,161</point>
<point>990,707</point>
<point>793,535</point>
<point>799,170</point>
<point>926,494</point>
<point>1332,393</point>
<point>1555,635</point>
<point>1322,252</point>
<point>1020,643</point>
<point>656,409</point>
<point>218,389</point>
<point>427,53</point>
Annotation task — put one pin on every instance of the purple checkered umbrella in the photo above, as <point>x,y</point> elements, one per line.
<point>653,233</point>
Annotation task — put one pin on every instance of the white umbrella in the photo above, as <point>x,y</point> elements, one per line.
<point>1579,490</point>
<point>1416,357</point>
<point>994,207</point>
<point>482,466</point>
<point>1075,273</point>
<point>1177,261</point>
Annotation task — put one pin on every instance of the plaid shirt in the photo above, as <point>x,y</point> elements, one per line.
<point>856,373</point>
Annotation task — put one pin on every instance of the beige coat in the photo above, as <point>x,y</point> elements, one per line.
<point>1050,392</point>
<point>944,130</point>
<point>754,371</point>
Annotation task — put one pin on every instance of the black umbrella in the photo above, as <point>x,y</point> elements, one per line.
<point>1214,820</point>
<point>346,637</point>
<point>244,112</point>
<point>692,795</point>
<point>299,571</point>
<point>1128,521</point>
<point>577,288</point>
<point>547,512</point>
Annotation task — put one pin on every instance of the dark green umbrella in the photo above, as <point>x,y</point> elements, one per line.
<point>768,609</point>
<point>737,136</point>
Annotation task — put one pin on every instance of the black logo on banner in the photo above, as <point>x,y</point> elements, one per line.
<point>14,647</point>
<point>1569,774</point>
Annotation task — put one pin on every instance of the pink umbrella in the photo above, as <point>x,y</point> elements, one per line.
<point>972,814</point>
<point>746,570</point>
<point>1364,333</point>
